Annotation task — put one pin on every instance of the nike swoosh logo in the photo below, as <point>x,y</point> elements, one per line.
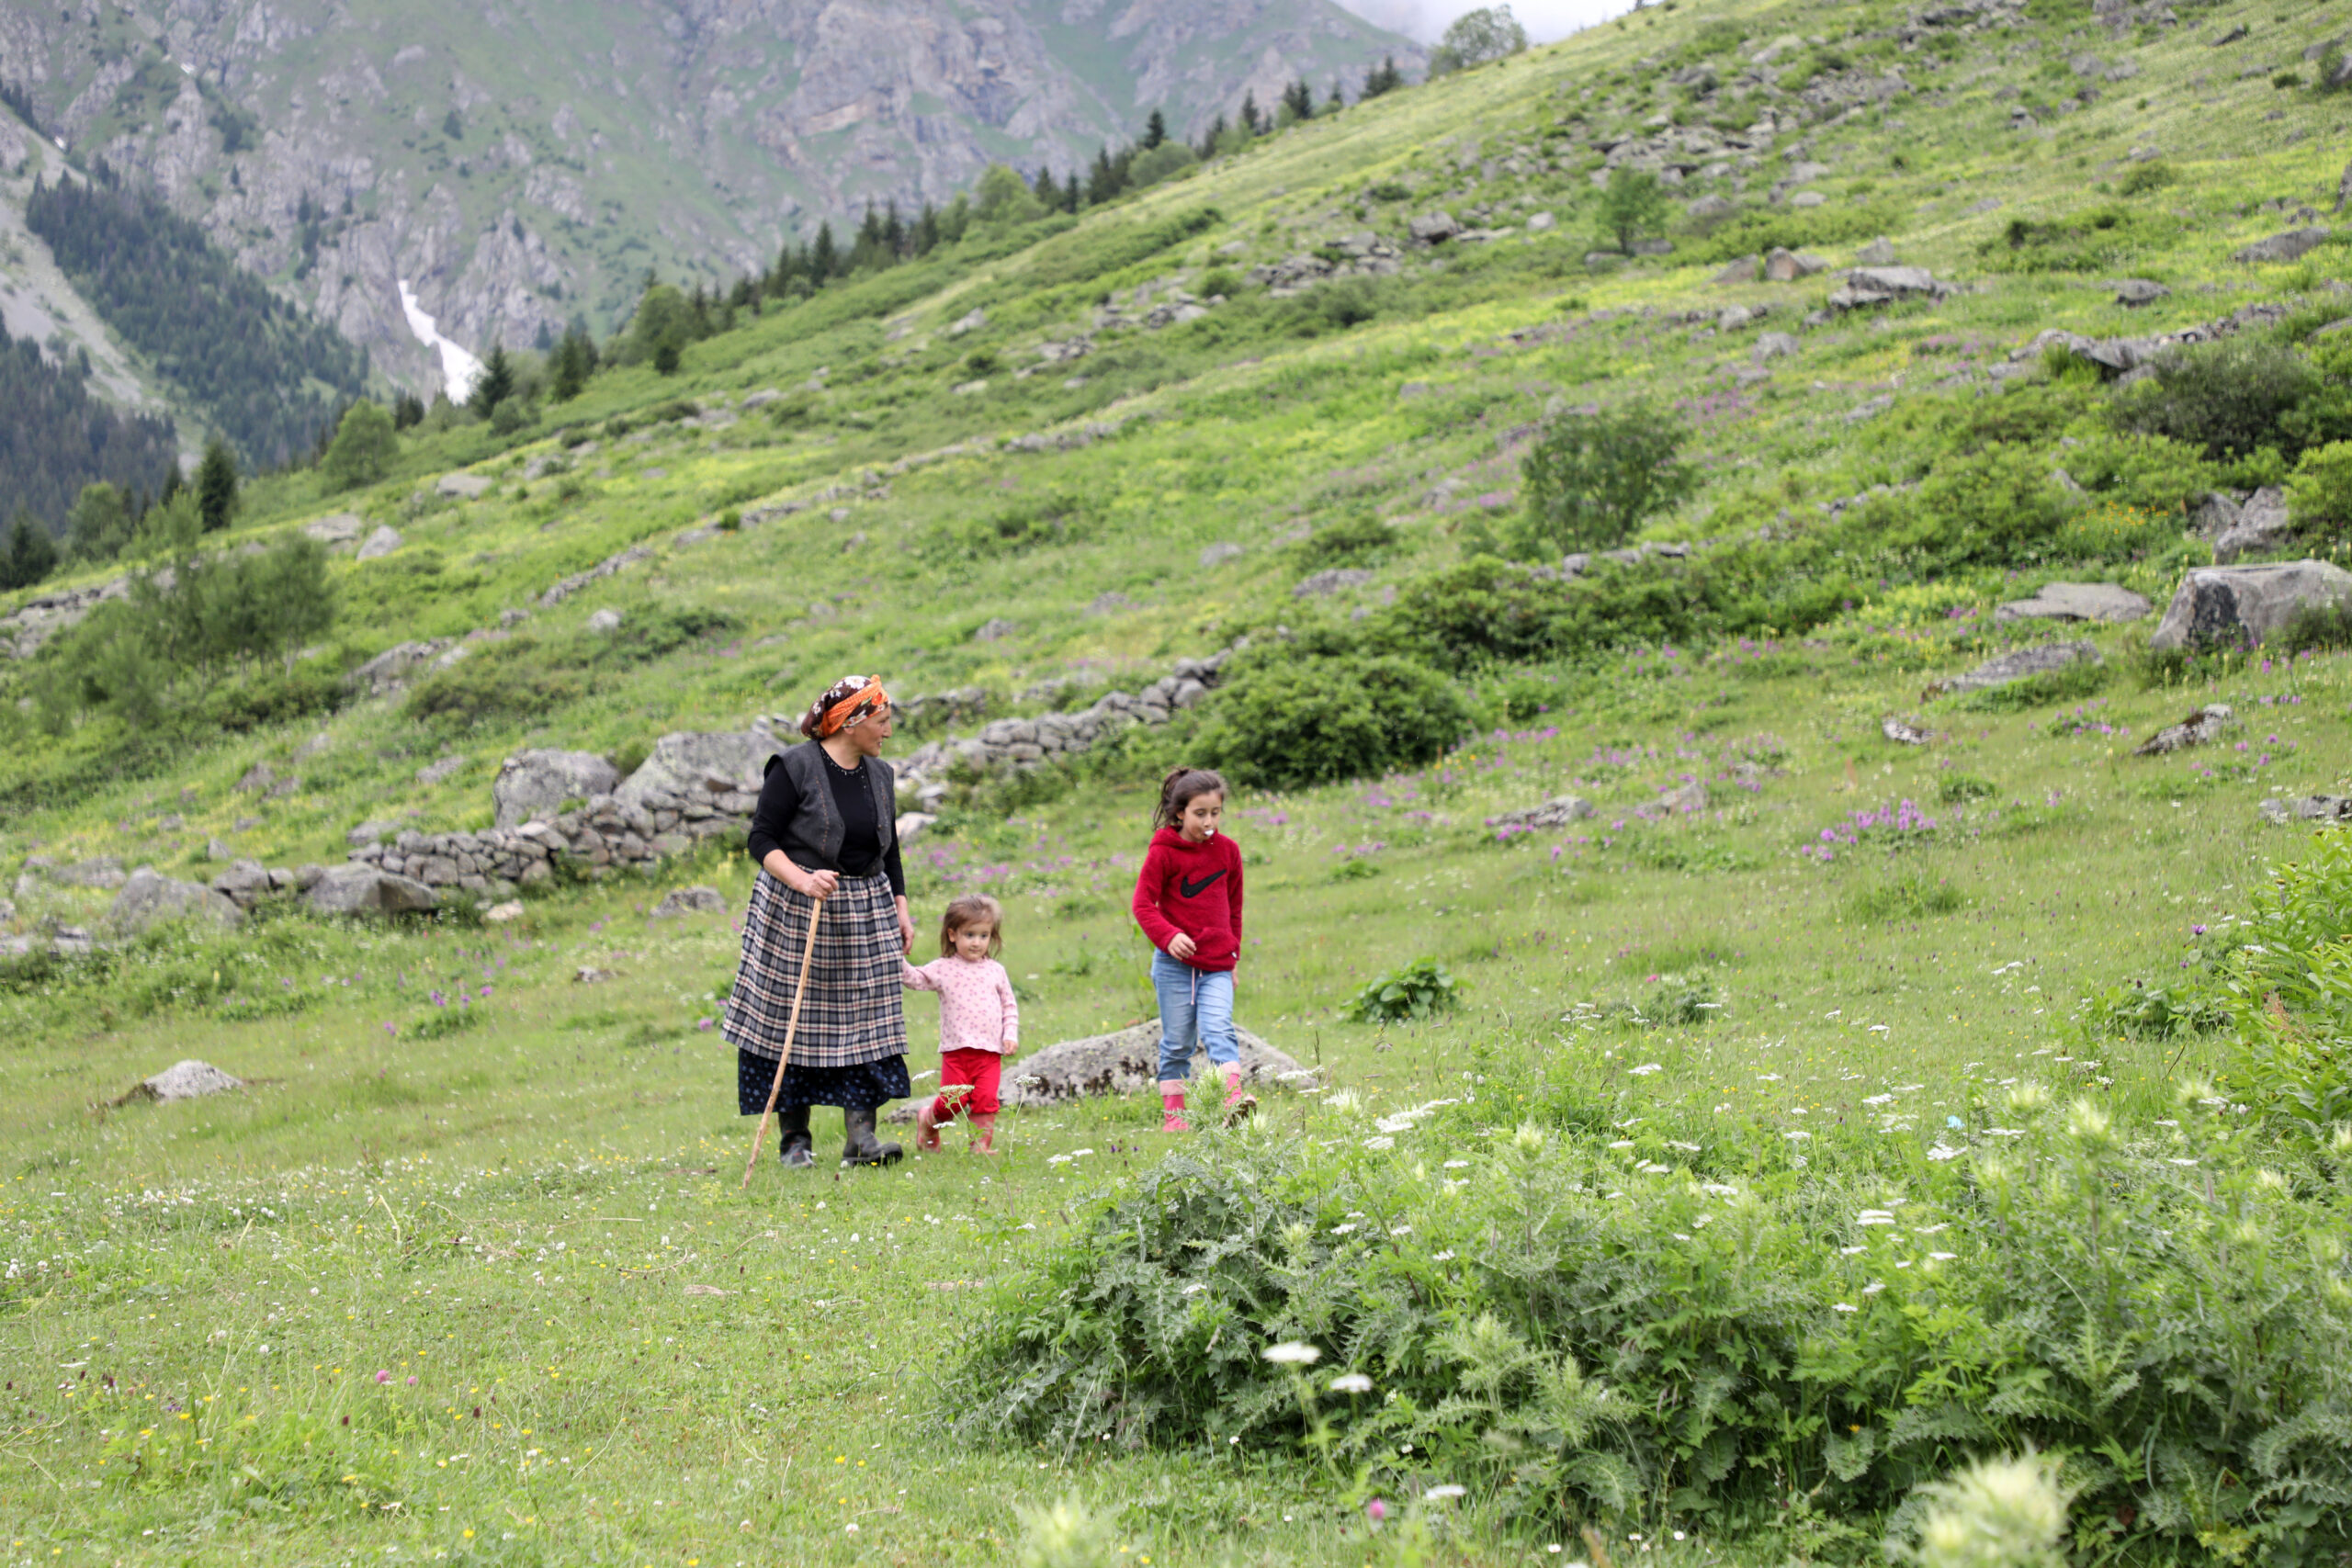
<point>1191,889</point>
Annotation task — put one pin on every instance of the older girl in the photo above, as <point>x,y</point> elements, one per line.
<point>1188,901</point>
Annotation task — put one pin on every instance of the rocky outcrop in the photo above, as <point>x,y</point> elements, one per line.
<point>190,1079</point>
<point>2308,808</point>
<point>24,631</point>
<point>1123,1062</point>
<point>391,669</point>
<point>1556,812</point>
<point>697,900</point>
<point>149,899</point>
<point>2044,659</point>
<point>535,783</point>
<point>2201,727</point>
<point>2260,526</point>
<point>1868,286</point>
<point>2076,602</point>
<point>2292,245</point>
<point>368,890</point>
<point>2239,606</point>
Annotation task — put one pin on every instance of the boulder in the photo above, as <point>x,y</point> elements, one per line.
<point>1905,731</point>
<point>1556,812</point>
<point>1330,581</point>
<point>1124,1062</point>
<point>190,1079</point>
<point>719,763</point>
<point>340,529</point>
<point>1714,210</point>
<point>1866,287</point>
<point>365,889</point>
<point>2292,245</point>
<point>503,914</point>
<point>2205,725</point>
<point>2241,605</point>
<point>2261,526</point>
<point>1542,222</point>
<point>1685,799</point>
<point>390,671</point>
<point>2134,292</point>
<point>1217,554</point>
<point>256,779</point>
<point>149,898</point>
<point>913,824</point>
<point>2216,515</point>
<point>1878,253</point>
<point>2076,602</point>
<point>371,833</point>
<point>691,901</point>
<point>1783,265</point>
<point>2026,662</point>
<point>1773,346</point>
<point>535,783</point>
<point>463,487</point>
<point>1434,227</point>
<point>380,544</point>
<point>604,620</point>
<point>245,883</point>
<point>996,628</point>
<point>1744,270</point>
<point>2308,808</point>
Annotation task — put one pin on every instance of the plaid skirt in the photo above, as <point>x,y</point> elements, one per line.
<point>854,1011</point>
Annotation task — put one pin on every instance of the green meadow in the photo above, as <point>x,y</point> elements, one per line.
<point>468,1271</point>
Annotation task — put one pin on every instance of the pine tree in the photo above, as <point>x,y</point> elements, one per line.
<point>1068,201</point>
<point>216,486</point>
<point>1048,193</point>
<point>823,264</point>
<point>926,231</point>
<point>1101,181</point>
<point>894,233</point>
<point>1382,78</point>
<point>493,386</point>
<point>868,249</point>
<point>1215,134</point>
<point>1335,102</point>
<point>408,409</point>
<point>1250,111</point>
<point>575,361</point>
<point>31,556</point>
<point>1298,100</point>
<point>1155,131</point>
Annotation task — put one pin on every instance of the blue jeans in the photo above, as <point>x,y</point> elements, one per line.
<point>1196,1009</point>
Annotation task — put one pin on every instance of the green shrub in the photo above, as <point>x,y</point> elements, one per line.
<point>1285,718</point>
<point>1361,539</point>
<point>2070,684</point>
<point>1994,507</point>
<point>1592,480</point>
<point>1958,789</point>
<point>2138,1010</point>
<point>506,681</point>
<point>1412,992</point>
<point>2289,986</point>
<point>1220,281</point>
<point>2145,177</point>
<point>2227,399</point>
<point>1601,1316</point>
<point>2319,493</point>
<point>1909,896</point>
<point>1057,517</point>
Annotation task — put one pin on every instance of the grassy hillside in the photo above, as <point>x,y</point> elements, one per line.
<point>1859,962</point>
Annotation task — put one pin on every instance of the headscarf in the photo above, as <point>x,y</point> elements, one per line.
<point>850,698</point>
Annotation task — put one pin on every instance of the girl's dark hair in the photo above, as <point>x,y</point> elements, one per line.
<point>971,909</point>
<point>1180,789</point>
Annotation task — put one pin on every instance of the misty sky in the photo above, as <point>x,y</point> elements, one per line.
<point>1545,19</point>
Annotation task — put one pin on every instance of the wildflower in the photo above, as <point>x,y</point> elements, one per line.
<point>1445,1494</point>
<point>1843,1306</point>
<point>1352,1383</point>
<point>1646,1068</point>
<point>1291,1352</point>
<point>382,1376</point>
<point>1375,1510</point>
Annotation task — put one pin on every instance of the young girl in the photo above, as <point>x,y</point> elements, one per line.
<point>979,1021</point>
<point>1188,900</point>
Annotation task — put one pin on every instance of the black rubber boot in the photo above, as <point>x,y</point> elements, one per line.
<point>799,1147</point>
<point>859,1146</point>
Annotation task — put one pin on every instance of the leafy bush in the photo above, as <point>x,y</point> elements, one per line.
<point>1994,507</point>
<point>1593,479</point>
<point>1956,789</point>
<point>2088,241</point>
<point>1358,540</point>
<point>1057,517</point>
<point>1909,896</point>
<point>2319,493</point>
<point>2145,177</point>
<point>2289,986</point>
<point>505,680</point>
<point>2070,684</point>
<point>1414,991</point>
<point>1701,1323</point>
<point>2228,397</point>
<point>1283,719</point>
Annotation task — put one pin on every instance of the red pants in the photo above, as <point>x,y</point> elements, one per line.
<point>977,1068</point>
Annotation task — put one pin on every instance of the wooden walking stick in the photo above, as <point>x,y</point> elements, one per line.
<point>790,1029</point>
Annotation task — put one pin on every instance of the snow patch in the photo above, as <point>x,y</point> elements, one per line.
<point>458,369</point>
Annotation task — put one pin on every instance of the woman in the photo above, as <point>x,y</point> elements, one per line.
<point>825,831</point>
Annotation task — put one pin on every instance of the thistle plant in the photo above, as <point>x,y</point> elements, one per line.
<point>1995,1514</point>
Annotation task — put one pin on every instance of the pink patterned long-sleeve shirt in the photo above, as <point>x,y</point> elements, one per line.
<point>977,1008</point>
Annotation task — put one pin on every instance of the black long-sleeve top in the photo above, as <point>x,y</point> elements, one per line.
<point>861,851</point>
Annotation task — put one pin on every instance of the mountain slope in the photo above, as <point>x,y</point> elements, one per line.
<point>522,165</point>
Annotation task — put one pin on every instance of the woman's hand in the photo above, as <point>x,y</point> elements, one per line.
<point>817,883</point>
<point>1181,947</point>
<point>906,929</point>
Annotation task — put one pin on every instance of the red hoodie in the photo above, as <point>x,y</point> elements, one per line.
<point>1195,889</point>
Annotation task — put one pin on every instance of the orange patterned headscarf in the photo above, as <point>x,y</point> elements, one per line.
<point>844,702</point>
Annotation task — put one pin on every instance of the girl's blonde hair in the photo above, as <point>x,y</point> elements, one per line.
<point>971,909</point>
<point>1180,789</point>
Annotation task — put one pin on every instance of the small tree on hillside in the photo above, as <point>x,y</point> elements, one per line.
<point>1382,78</point>
<point>1633,207</point>
<point>1476,37</point>
<point>362,449</point>
<point>99,525</point>
<point>216,486</point>
<point>574,362</point>
<point>30,554</point>
<point>1592,479</point>
<point>1155,131</point>
<point>493,386</point>
<point>1003,196</point>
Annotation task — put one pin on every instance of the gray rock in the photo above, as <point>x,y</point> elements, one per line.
<point>1712,209</point>
<point>1219,554</point>
<point>436,773</point>
<point>1331,580</point>
<point>718,763</point>
<point>588,975</point>
<point>190,1079</point>
<point>257,780</point>
<point>102,872</point>
<point>370,833</point>
<point>1783,265</point>
<point>2262,525</point>
<point>1744,270</point>
<point>149,898</point>
<point>2138,291</point>
<point>340,529</point>
<point>971,322</point>
<point>1541,223</point>
<point>2308,808</point>
<point>1434,227</point>
<point>996,628</point>
<point>1556,812</point>
<point>1805,198</point>
<point>1773,346</point>
<point>1878,253</point>
<point>604,620</point>
<point>1653,248</point>
<point>1905,731</point>
<point>365,889</point>
<point>1126,1062</point>
<point>2216,515</point>
<point>912,825</point>
<point>2241,605</point>
<point>2292,245</point>
<point>2076,602</point>
<point>380,544</point>
<point>1685,799</point>
<point>2026,662</point>
<point>2205,725</point>
<point>1866,287</point>
<point>463,487</point>
<point>535,783</point>
<point>246,883</point>
<point>696,901</point>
